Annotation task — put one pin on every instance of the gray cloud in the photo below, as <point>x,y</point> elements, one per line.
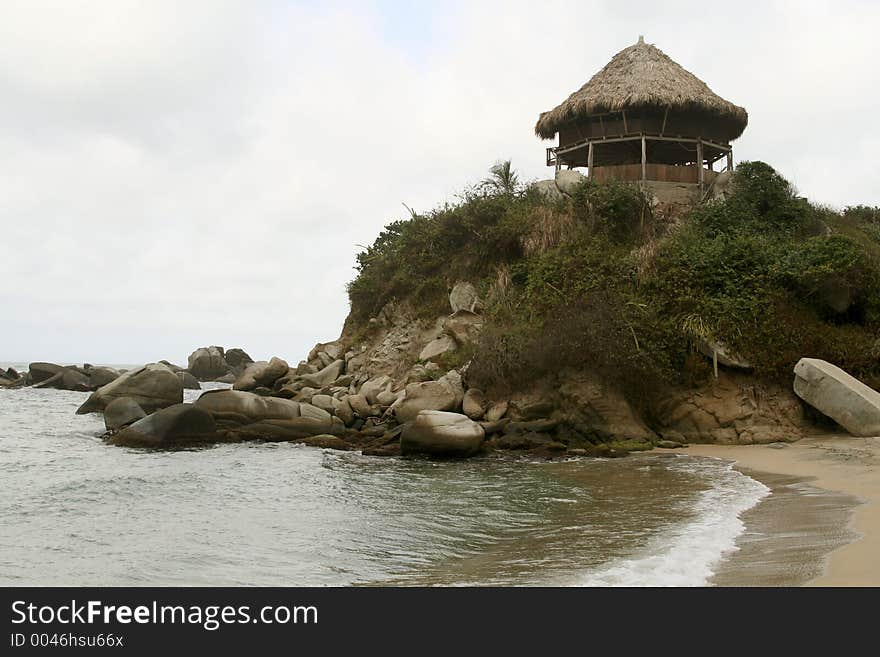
<point>179,174</point>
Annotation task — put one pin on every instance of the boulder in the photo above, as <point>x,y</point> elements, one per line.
<point>39,372</point>
<point>175,425</point>
<point>463,297</point>
<point>344,412</point>
<point>207,363</point>
<point>152,386</point>
<point>324,376</point>
<point>309,410</point>
<point>372,388</point>
<point>188,381</point>
<point>549,190</point>
<point>261,373</point>
<point>246,407</point>
<point>435,349</point>
<point>101,376</point>
<point>121,412</point>
<point>360,405</point>
<point>386,398</point>
<point>840,396</point>
<point>567,180</point>
<point>226,378</point>
<point>496,411</point>
<point>171,366</point>
<point>428,395</point>
<point>324,402</point>
<point>438,433</point>
<point>67,378</point>
<point>291,429</point>
<point>463,327</point>
<point>237,360</point>
<point>473,404</point>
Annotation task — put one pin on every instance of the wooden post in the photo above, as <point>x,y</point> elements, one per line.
<point>715,362</point>
<point>730,160</point>
<point>590,161</point>
<point>700,163</point>
<point>644,159</point>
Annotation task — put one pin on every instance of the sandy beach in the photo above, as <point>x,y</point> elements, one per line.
<point>842,464</point>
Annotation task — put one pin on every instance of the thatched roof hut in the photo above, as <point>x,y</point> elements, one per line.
<point>641,94</point>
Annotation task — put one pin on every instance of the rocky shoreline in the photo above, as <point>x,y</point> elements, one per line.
<point>385,391</point>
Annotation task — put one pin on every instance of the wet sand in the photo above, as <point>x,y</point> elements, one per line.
<point>821,525</point>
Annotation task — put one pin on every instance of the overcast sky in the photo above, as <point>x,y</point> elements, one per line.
<point>178,174</point>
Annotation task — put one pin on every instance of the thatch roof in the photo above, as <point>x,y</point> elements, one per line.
<point>639,76</point>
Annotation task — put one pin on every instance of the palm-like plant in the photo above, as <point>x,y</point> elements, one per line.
<point>502,179</point>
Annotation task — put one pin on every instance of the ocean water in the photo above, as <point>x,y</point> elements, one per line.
<point>76,511</point>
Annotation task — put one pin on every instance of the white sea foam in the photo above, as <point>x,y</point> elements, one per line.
<point>686,554</point>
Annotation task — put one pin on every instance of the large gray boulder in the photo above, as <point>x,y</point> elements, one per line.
<point>292,429</point>
<point>437,347</point>
<point>474,404</point>
<point>67,378</point>
<point>101,376</point>
<point>376,386</point>
<point>444,394</point>
<point>39,372</point>
<point>326,376</point>
<point>188,381</point>
<point>429,395</point>
<point>438,433</point>
<point>261,373</point>
<point>567,180</point>
<point>246,406</point>
<point>152,386</point>
<point>207,363</point>
<point>464,297</point>
<point>121,412</point>
<point>237,360</point>
<point>840,396</point>
<point>549,190</point>
<point>176,425</point>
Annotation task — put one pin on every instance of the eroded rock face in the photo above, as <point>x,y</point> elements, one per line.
<point>733,410</point>
<point>438,433</point>
<point>840,396</point>
<point>176,425</point>
<point>152,386</point>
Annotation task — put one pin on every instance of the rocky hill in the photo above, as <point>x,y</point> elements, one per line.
<point>596,315</point>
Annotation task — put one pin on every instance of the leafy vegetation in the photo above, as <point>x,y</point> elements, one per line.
<point>598,281</point>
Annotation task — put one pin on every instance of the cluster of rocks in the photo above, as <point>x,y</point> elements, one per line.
<point>385,394</point>
<point>60,377</point>
<point>205,364</point>
<point>216,364</point>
